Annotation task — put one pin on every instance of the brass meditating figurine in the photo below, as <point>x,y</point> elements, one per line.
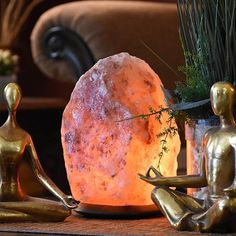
<point>15,205</point>
<point>217,213</point>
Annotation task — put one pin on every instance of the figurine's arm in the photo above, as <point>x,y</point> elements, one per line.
<point>46,181</point>
<point>184,181</point>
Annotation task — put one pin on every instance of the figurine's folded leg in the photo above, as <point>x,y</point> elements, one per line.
<point>220,216</point>
<point>177,207</point>
<point>7,215</point>
<point>36,209</point>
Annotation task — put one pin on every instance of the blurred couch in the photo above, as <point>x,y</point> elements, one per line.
<point>69,38</point>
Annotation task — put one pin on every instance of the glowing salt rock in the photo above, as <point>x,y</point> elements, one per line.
<point>102,156</point>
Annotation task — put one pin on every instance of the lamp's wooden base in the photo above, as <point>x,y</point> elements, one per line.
<point>102,211</point>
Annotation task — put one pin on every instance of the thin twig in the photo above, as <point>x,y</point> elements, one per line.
<point>160,59</point>
<point>143,116</point>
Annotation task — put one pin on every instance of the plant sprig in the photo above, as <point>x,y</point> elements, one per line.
<point>170,131</point>
<point>167,132</point>
<point>145,116</point>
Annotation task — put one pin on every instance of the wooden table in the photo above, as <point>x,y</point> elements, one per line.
<point>78,225</point>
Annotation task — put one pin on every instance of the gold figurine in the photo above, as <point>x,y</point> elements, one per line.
<point>15,205</point>
<point>217,213</point>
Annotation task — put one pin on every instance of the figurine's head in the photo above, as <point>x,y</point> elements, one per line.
<point>12,94</point>
<point>222,97</point>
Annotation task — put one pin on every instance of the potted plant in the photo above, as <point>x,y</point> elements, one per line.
<point>207,33</point>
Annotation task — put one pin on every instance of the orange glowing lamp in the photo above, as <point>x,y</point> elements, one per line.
<point>103,156</point>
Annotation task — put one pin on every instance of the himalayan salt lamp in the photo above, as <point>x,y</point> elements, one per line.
<point>102,156</point>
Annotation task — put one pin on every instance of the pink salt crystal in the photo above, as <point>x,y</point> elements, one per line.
<point>102,156</point>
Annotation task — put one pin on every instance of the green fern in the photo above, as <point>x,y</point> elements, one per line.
<point>195,87</point>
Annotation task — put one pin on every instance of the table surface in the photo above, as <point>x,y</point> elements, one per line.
<point>78,225</point>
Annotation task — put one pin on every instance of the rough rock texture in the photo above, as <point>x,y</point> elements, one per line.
<point>103,156</point>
